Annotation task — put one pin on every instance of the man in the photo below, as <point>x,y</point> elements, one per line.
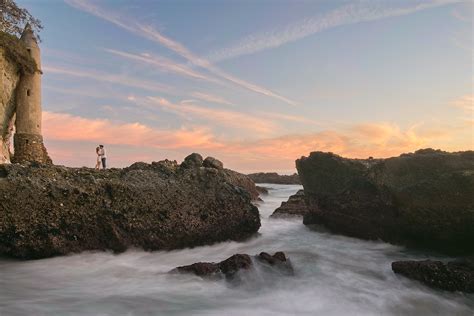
<point>103,156</point>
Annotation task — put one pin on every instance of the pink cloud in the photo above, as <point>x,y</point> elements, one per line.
<point>66,127</point>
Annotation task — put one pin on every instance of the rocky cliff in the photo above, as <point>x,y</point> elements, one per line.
<point>273,177</point>
<point>52,210</point>
<point>14,61</point>
<point>424,199</point>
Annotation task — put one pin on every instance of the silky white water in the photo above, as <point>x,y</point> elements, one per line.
<point>334,275</point>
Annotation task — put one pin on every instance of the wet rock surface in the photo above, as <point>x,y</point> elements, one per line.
<point>238,262</point>
<point>424,199</point>
<point>53,210</point>
<point>452,276</point>
<point>295,206</point>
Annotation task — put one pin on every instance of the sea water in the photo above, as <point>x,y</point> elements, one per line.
<point>334,275</point>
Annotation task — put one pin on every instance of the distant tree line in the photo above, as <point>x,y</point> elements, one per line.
<point>13,19</point>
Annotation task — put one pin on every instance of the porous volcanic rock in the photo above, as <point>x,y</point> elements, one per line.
<point>295,206</point>
<point>452,276</point>
<point>424,199</point>
<point>53,210</point>
<point>273,177</point>
<point>229,267</point>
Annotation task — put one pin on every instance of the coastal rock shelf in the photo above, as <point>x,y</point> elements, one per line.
<point>53,210</point>
<point>424,199</point>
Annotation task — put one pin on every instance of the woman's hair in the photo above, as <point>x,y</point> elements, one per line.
<point>97,149</point>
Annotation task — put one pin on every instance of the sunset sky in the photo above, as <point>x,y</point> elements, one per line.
<point>256,84</point>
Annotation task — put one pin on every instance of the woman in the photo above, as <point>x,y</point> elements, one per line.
<point>97,164</point>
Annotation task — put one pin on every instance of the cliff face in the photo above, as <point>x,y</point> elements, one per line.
<point>52,210</point>
<point>9,78</point>
<point>423,199</point>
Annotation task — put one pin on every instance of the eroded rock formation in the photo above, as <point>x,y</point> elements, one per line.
<point>424,199</point>
<point>53,210</point>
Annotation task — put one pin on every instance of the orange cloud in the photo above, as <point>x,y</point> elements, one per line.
<point>66,127</point>
<point>71,137</point>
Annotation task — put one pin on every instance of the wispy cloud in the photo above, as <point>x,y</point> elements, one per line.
<point>227,118</point>
<point>363,11</point>
<point>162,63</point>
<point>107,77</point>
<point>210,98</point>
<point>154,35</point>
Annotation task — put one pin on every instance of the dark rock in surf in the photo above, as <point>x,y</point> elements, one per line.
<point>295,206</point>
<point>424,199</point>
<point>238,262</point>
<point>452,276</point>
<point>49,210</point>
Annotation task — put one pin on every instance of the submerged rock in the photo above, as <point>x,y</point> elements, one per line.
<point>424,199</point>
<point>229,267</point>
<point>295,206</point>
<point>53,210</point>
<point>273,177</point>
<point>451,276</point>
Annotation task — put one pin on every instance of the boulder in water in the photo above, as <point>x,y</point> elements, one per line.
<point>238,262</point>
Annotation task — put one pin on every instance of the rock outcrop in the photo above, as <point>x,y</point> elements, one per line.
<point>232,265</point>
<point>295,206</point>
<point>424,199</point>
<point>273,177</point>
<point>52,210</point>
<point>243,181</point>
<point>452,276</point>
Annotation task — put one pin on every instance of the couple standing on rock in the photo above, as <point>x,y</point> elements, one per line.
<point>101,157</point>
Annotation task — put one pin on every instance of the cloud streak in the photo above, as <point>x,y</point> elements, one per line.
<point>348,14</point>
<point>110,78</point>
<point>226,118</point>
<point>154,35</point>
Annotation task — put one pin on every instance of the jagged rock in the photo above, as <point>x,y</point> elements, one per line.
<point>451,276</point>
<point>229,267</point>
<point>295,206</point>
<point>273,177</point>
<point>53,210</point>
<point>211,162</point>
<point>422,199</point>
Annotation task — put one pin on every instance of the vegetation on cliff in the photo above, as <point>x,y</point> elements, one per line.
<point>16,52</point>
